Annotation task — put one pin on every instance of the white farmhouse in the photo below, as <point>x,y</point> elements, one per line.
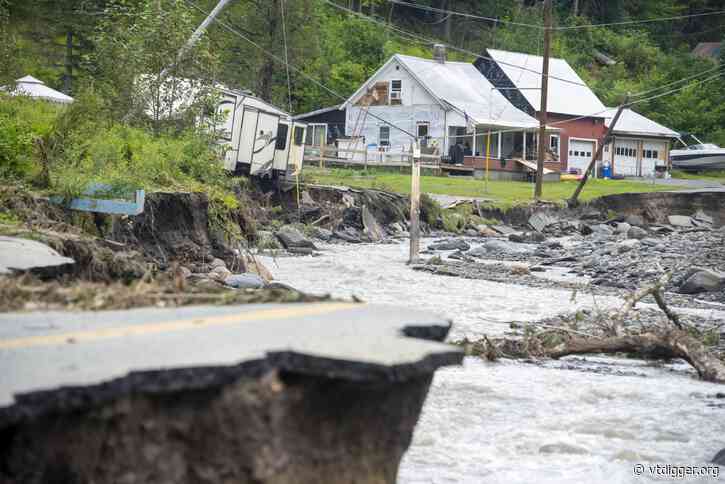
<point>438,101</point>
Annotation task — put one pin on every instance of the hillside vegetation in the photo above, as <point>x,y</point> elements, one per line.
<point>126,127</point>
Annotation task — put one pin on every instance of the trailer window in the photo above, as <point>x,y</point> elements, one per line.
<point>299,136</point>
<point>281,136</point>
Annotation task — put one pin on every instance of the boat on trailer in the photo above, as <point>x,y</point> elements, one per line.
<point>697,157</point>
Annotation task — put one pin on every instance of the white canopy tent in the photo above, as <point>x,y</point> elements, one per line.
<point>35,88</point>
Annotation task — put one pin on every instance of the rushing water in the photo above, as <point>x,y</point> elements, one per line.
<point>512,422</point>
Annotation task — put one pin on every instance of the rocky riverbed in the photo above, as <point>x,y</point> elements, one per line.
<point>598,256</point>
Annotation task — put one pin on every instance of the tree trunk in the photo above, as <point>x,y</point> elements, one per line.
<point>266,71</point>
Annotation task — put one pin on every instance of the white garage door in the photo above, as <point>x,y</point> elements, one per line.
<point>653,154</point>
<point>580,154</point>
<point>625,157</point>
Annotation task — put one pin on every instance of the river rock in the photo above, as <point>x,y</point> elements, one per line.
<point>602,229</point>
<point>703,218</point>
<point>497,245</point>
<point>522,238</point>
<point>348,234</point>
<point>703,280</point>
<point>216,262</point>
<point>220,274</point>
<point>323,234</point>
<point>451,244</point>
<point>635,220</point>
<point>486,231</point>
<point>585,229</point>
<point>680,221</point>
<point>372,228</point>
<point>623,227</point>
<point>627,245</point>
<point>290,237</point>
<point>719,458</point>
<point>244,281</point>
<point>636,233</point>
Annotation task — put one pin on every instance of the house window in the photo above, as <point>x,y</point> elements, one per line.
<point>299,135</point>
<point>384,136</point>
<point>655,154</point>
<point>396,88</point>
<point>281,142</point>
<point>316,134</point>
<point>554,144</point>
<point>422,132</point>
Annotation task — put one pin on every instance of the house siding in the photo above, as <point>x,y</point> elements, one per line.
<point>585,128</point>
<point>406,117</point>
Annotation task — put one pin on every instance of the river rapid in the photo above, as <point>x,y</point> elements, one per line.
<point>583,420</point>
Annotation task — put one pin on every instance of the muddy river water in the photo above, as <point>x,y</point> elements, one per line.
<point>589,420</point>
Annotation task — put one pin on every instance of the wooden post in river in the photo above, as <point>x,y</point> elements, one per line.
<point>415,204</point>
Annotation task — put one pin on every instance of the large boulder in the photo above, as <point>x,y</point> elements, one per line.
<point>703,280</point>
<point>290,238</point>
<point>450,244</point>
<point>680,221</point>
<point>245,281</point>
<point>500,246</point>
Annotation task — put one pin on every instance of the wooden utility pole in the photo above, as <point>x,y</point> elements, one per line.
<point>544,97</point>
<point>415,205</point>
<point>574,200</point>
<point>576,8</point>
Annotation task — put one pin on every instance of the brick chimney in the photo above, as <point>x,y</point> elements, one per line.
<point>439,53</point>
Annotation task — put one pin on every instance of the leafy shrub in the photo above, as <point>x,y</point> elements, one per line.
<point>22,122</point>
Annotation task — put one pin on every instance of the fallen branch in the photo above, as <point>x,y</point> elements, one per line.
<point>556,342</point>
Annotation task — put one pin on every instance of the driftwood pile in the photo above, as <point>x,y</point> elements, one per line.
<point>668,339</point>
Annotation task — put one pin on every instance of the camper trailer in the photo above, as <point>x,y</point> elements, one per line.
<point>261,139</point>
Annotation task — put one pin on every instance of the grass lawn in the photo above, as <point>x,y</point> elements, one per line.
<point>503,193</point>
<point>714,176</point>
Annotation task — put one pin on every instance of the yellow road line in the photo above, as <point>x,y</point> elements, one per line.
<point>299,310</point>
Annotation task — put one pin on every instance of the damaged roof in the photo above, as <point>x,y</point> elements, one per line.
<point>461,87</point>
<point>633,123</point>
<point>568,93</point>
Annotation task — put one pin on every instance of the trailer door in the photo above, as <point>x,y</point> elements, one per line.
<point>264,143</point>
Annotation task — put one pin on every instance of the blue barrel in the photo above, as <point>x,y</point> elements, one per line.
<point>607,171</point>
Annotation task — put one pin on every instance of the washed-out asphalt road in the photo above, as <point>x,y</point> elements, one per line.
<point>42,351</point>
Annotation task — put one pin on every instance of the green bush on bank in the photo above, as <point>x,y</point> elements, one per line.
<point>80,147</point>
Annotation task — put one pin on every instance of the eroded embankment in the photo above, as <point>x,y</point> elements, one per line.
<point>654,207</point>
<point>657,206</point>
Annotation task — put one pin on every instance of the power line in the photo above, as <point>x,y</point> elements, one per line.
<point>428,41</point>
<point>464,14</point>
<point>682,88</point>
<point>679,81</point>
<point>632,22</point>
<point>291,66</point>
<point>541,27</point>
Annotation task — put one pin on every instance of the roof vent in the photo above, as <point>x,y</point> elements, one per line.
<point>439,53</point>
